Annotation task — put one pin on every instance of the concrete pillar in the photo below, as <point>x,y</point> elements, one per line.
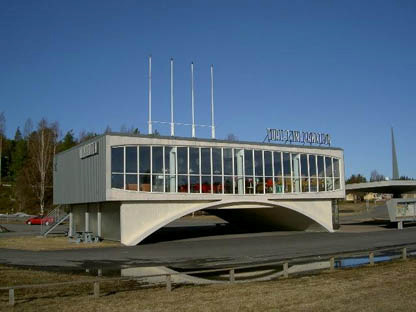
<point>99,221</point>
<point>71,223</point>
<point>87,220</point>
<point>400,225</point>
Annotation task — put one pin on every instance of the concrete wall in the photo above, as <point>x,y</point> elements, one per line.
<point>138,220</point>
<point>110,220</point>
<point>93,225</point>
<point>78,212</point>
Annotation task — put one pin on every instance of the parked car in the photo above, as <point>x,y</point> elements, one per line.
<point>40,220</point>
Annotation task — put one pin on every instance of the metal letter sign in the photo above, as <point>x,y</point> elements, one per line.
<point>293,136</point>
<point>88,150</point>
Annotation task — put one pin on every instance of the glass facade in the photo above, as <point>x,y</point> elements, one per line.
<point>203,170</point>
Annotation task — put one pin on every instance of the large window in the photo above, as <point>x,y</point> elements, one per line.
<point>304,172</point>
<point>248,166</point>
<point>238,171</point>
<point>259,174</point>
<point>337,181</point>
<point>321,174</point>
<point>117,167</point>
<point>144,168</point>
<point>131,168</point>
<point>268,172</point>
<point>296,172</point>
<point>170,169</point>
<point>227,154</point>
<point>183,170</point>
<point>278,172</point>
<point>312,173</point>
<point>329,182</point>
<point>194,170</point>
<point>287,172</point>
<point>218,170</point>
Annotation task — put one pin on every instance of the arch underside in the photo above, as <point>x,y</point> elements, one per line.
<point>267,219</point>
<point>139,220</point>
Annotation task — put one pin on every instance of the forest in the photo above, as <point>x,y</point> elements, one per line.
<point>26,162</point>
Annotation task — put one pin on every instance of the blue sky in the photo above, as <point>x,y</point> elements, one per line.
<point>343,67</point>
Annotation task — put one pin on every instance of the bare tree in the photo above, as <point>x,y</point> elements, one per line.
<point>2,132</point>
<point>231,137</point>
<point>28,129</point>
<point>375,176</point>
<point>85,136</point>
<point>42,147</point>
<point>107,129</point>
<point>123,129</point>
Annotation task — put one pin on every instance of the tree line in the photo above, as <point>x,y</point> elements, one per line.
<point>26,162</point>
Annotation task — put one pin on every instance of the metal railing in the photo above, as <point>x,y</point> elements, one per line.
<point>57,216</point>
<point>400,251</point>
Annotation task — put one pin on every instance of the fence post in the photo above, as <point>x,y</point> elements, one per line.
<point>96,289</point>
<point>404,253</point>
<point>168,283</point>
<point>332,264</point>
<point>286,269</point>
<point>371,258</point>
<point>11,296</point>
<point>232,277</point>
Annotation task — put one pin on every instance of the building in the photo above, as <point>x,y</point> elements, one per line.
<point>126,187</point>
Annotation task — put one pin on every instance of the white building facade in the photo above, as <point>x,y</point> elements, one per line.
<point>126,187</point>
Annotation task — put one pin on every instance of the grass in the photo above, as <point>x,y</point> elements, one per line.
<point>354,208</point>
<point>384,287</point>
<point>37,243</point>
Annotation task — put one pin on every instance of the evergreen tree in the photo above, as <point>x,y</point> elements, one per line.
<point>19,156</point>
<point>356,179</point>
<point>67,142</point>
<point>18,135</point>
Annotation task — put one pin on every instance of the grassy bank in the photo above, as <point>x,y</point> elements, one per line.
<point>384,287</point>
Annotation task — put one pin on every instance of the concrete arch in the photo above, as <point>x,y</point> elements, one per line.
<point>138,220</point>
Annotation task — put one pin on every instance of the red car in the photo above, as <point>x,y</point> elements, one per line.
<point>40,220</point>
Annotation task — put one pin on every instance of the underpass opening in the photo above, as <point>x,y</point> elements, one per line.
<point>229,220</point>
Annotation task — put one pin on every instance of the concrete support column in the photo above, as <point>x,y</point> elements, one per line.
<point>400,225</point>
<point>71,222</point>
<point>99,221</point>
<point>87,220</point>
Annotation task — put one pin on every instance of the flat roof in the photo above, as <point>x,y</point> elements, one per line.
<point>389,187</point>
<point>203,140</point>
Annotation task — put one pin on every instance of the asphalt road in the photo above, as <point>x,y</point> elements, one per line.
<point>21,229</point>
<point>213,251</point>
<point>192,243</point>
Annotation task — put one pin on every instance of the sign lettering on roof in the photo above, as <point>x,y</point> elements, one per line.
<point>294,136</point>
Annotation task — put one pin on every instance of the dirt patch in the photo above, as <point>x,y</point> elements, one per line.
<point>37,243</point>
